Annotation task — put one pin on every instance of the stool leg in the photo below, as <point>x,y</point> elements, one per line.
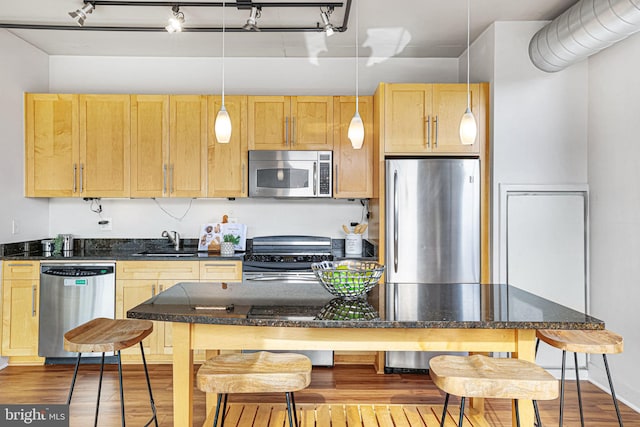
<point>515,402</point>
<point>121,389</point>
<point>537,412</point>
<point>575,362</point>
<point>146,374</point>
<point>444,410</point>
<point>613,393</point>
<point>295,412</point>
<point>95,420</point>
<point>215,417</point>
<point>73,380</point>
<point>461,419</point>
<point>564,360</point>
<point>224,409</point>
<point>288,396</point>
<point>537,345</point>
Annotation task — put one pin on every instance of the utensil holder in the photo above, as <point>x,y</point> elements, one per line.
<point>353,244</point>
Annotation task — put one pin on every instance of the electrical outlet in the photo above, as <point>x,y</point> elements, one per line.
<point>14,227</point>
<point>105,224</point>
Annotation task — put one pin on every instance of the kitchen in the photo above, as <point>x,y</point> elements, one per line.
<point>547,129</point>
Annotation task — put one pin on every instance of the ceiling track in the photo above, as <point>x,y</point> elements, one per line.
<point>238,4</point>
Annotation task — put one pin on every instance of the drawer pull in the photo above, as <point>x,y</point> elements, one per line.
<point>20,265</point>
<point>33,301</point>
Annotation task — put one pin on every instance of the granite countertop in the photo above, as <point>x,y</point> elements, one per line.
<point>491,306</point>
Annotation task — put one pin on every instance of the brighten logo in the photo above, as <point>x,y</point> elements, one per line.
<point>34,415</point>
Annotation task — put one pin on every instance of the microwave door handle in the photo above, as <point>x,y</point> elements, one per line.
<point>395,221</point>
<point>315,177</point>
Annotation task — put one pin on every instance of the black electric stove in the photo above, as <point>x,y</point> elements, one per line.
<point>286,253</point>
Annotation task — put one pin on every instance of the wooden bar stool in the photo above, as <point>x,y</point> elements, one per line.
<point>583,341</point>
<point>260,372</point>
<point>486,377</point>
<point>102,335</point>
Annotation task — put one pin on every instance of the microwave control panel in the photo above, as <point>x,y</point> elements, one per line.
<point>325,179</point>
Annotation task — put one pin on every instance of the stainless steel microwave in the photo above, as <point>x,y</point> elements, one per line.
<point>281,173</point>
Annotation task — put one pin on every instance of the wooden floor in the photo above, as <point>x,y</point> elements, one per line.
<point>400,400</point>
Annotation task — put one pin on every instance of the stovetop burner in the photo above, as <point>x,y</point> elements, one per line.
<point>287,258</point>
<point>287,253</point>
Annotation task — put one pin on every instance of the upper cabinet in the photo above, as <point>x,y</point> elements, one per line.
<point>353,169</point>
<point>290,122</point>
<point>105,122</point>
<point>425,118</point>
<point>51,145</point>
<point>228,163</point>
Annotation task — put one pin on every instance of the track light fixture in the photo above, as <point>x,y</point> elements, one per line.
<point>252,22</point>
<point>176,21</point>
<point>328,27</point>
<point>81,14</point>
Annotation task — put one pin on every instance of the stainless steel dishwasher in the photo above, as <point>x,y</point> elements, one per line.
<point>70,295</point>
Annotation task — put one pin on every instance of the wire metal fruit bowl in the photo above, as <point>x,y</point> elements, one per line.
<point>347,309</point>
<point>348,278</point>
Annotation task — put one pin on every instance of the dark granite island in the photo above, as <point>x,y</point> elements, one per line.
<point>275,316</point>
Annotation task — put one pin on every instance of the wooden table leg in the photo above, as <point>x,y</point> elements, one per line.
<point>526,350</point>
<point>182,375</point>
<point>476,404</point>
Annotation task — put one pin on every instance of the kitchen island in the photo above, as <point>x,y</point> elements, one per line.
<point>277,316</point>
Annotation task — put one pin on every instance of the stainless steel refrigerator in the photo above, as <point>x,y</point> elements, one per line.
<point>432,236</point>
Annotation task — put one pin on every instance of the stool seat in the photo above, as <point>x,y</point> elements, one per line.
<point>583,341</point>
<point>101,335</point>
<point>482,376</point>
<point>260,372</point>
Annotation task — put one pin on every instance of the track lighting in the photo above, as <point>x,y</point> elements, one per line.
<point>251,24</point>
<point>176,21</point>
<point>328,27</point>
<point>81,14</point>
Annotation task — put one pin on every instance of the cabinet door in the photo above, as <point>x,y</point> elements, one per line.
<point>407,118</point>
<point>268,122</point>
<point>130,293</point>
<point>188,146</point>
<point>227,163</point>
<point>104,145</point>
<point>149,145</point>
<point>165,341</point>
<point>312,123</point>
<point>20,317</point>
<point>353,175</point>
<point>51,145</point>
<point>221,271</point>
<point>449,104</point>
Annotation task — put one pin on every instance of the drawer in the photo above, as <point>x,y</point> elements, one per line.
<point>180,270</point>
<point>15,270</point>
<point>230,271</point>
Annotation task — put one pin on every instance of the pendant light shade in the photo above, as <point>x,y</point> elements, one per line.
<point>468,128</point>
<point>356,131</point>
<point>468,125</point>
<point>223,126</point>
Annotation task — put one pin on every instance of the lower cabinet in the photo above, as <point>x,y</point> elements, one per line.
<point>20,307</point>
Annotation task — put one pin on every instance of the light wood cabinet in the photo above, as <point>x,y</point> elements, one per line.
<point>20,308</point>
<point>353,169</point>
<point>221,271</point>
<point>105,136</point>
<point>290,122</point>
<point>51,145</point>
<point>228,163</point>
<point>137,281</point>
<point>425,118</point>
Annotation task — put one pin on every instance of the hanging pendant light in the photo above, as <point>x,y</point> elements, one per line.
<point>356,127</point>
<point>222,126</point>
<point>468,125</point>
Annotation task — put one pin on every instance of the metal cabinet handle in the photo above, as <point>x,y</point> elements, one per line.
<point>171,189</point>
<point>315,176</point>
<point>164,179</point>
<point>161,288</point>
<point>436,141</point>
<point>220,265</point>
<point>33,301</point>
<point>286,131</point>
<point>428,130</point>
<point>153,290</point>
<point>81,178</point>
<point>335,179</point>
<point>293,131</point>
<point>75,170</point>
<point>20,265</point>
<point>395,221</point>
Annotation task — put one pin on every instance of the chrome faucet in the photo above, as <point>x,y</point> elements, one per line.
<point>174,238</point>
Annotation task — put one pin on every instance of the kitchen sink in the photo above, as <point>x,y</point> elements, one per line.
<point>168,253</point>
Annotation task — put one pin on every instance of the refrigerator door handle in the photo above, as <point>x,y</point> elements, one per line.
<point>395,221</point>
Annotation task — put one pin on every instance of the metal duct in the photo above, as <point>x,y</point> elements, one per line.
<point>584,29</point>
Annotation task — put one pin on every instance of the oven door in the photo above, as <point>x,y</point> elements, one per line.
<point>283,178</point>
<point>251,277</point>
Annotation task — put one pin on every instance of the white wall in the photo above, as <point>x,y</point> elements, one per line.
<point>268,76</point>
<point>24,69</point>
<point>614,176</point>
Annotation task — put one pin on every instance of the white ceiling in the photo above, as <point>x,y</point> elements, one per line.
<point>401,28</point>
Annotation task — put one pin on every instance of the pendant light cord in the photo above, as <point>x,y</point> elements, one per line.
<point>468,49</point>
<point>223,28</point>
<point>357,68</point>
